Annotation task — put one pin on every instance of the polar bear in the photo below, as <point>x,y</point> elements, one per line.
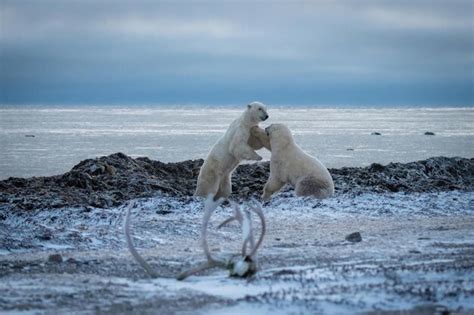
<point>233,147</point>
<point>259,139</point>
<point>290,164</point>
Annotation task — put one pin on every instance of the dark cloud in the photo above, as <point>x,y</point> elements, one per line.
<point>323,52</point>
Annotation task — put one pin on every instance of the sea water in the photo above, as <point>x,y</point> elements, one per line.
<point>46,140</point>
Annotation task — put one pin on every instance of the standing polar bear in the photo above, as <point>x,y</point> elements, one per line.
<point>233,147</point>
<point>290,164</point>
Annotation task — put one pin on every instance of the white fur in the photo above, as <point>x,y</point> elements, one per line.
<point>290,164</point>
<point>233,147</point>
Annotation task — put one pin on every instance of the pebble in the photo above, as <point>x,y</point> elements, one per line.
<point>354,237</point>
<point>55,258</point>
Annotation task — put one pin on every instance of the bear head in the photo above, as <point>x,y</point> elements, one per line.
<point>280,135</point>
<point>257,111</point>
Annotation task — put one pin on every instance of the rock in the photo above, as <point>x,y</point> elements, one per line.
<point>429,133</point>
<point>56,203</point>
<point>118,178</point>
<point>163,212</point>
<point>376,134</point>
<point>55,258</point>
<point>45,235</point>
<point>110,169</point>
<point>29,136</point>
<point>96,169</point>
<point>354,237</point>
<point>376,167</point>
<point>349,149</point>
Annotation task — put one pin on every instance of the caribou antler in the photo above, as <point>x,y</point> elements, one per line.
<point>209,206</point>
<point>243,265</point>
<point>149,270</point>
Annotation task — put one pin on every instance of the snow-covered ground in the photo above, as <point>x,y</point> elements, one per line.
<point>416,253</point>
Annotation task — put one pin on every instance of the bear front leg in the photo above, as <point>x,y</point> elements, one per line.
<point>273,185</point>
<point>240,149</point>
<point>259,138</point>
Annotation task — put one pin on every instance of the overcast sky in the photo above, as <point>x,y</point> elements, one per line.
<point>225,52</point>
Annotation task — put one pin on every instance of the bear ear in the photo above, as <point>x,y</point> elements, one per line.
<point>249,106</point>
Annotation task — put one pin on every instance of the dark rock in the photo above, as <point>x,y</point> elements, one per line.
<point>55,258</point>
<point>354,237</point>
<point>163,212</point>
<point>429,133</point>
<point>30,136</point>
<point>110,169</point>
<point>18,182</point>
<point>111,180</point>
<point>95,169</point>
<point>72,261</point>
<point>376,134</point>
<point>45,236</point>
<point>375,167</point>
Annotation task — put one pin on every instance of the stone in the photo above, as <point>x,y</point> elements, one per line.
<point>110,169</point>
<point>55,258</point>
<point>126,178</point>
<point>376,167</point>
<point>354,237</point>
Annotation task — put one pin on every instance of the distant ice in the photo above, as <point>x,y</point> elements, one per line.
<point>338,137</point>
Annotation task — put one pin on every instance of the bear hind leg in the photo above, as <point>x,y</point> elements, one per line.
<point>312,186</point>
<point>271,187</point>
<point>225,187</point>
<point>206,186</point>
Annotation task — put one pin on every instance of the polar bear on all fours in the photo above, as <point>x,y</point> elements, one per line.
<point>290,164</point>
<point>233,147</point>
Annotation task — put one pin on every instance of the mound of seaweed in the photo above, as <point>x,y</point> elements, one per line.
<point>111,180</point>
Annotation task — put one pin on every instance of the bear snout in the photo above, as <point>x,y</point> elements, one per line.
<point>265,117</point>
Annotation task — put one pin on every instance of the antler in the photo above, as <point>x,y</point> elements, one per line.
<point>246,223</point>
<point>131,248</point>
<point>244,265</point>
<point>209,206</point>
<point>259,212</point>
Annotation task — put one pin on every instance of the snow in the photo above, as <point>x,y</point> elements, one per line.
<point>416,250</point>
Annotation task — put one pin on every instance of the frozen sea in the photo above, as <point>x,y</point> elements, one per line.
<point>46,140</point>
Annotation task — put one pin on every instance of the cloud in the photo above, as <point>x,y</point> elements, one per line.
<point>172,28</point>
<point>183,51</point>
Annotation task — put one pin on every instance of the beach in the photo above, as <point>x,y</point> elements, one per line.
<point>63,248</point>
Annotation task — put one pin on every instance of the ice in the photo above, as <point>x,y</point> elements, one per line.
<point>66,136</point>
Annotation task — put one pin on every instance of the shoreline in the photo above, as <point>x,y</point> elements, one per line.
<point>414,253</point>
<point>110,181</point>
